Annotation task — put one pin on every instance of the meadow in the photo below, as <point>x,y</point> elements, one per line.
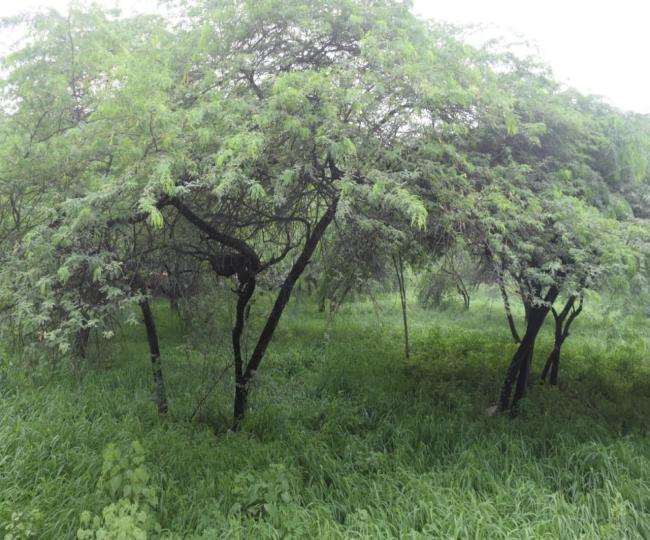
<point>344,438</point>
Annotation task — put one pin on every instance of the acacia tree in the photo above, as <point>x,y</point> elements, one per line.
<point>236,132</point>
<point>534,214</point>
<point>256,134</point>
<point>318,105</point>
<point>71,171</point>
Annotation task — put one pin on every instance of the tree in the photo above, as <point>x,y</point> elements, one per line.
<point>256,135</point>
<point>533,211</point>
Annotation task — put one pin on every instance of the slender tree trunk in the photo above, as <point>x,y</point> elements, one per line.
<point>509,317</point>
<point>520,358</point>
<point>552,365</point>
<point>554,357</point>
<point>245,292</point>
<point>524,379</point>
<point>555,368</point>
<point>160,397</point>
<point>241,396</point>
<point>563,321</point>
<point>323,287</point>
<point>462,290</point>
<point>399,270</point>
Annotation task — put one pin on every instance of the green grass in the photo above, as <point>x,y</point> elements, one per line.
<point>344,438</point>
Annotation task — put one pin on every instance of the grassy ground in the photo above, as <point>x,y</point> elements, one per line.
<point>344,438</point>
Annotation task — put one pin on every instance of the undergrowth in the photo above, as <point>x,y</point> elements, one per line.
<point>344,438</point>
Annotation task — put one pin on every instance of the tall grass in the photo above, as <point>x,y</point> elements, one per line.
<point>345,439</point>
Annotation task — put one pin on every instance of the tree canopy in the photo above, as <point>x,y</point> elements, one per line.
<point>230,135</point>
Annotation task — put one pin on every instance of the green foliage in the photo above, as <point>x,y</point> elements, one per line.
<point>264,495</point>
<point>22,525</point>
<point>126,481</point>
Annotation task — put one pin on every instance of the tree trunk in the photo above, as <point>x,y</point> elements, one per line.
<point>154,349</point>
<point>524,379</point>
<point>462,290</point>
<point>519,367</point>
<point>245,292</point>
<point>554,357</point>
<point>81,342</point>
<point>552,365</point>
<point>555,367</point>
<point>563,321</point>
<point>241,400</point>
<point>323,288</point>
<point>281,301</point>
<point>399,270</point>
<point>509,317</point>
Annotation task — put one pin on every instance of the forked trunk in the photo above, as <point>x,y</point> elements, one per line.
<point>552,365</point>
<point>241,393</point>
<point>563,321</point>
<point>519,368</point>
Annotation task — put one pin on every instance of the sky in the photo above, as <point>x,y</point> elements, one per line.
<point>599,47</point>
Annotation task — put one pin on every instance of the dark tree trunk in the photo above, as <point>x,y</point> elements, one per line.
<point>552,365</point>
<point>555,368</point>
<point>524,378</point>
<point>509,317</point>
<point>241,401</point>
<point>554,358</point>
<point>281,301</point>
<point>81,342</point>
<point>245,292</point>
<point>464,293</point>
<point>563,321</point>
<point>154,349</point>
<point>323,289</point>
<point>399,270</point>
<point>519,367</point>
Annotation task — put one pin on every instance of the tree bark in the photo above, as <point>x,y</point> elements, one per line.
<point>519,367</point>
<point>241,395</point>
<point>245,292</point>
<point>509,317</point>
<point>399,271</point>
<point>160,397</point>
<point>563,321</point>
<point>81,342</point>
<point>552,365</point>
<point>462,290</point>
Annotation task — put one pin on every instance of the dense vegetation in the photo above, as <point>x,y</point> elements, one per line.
<point>212,171</point>
<point>363,443</point>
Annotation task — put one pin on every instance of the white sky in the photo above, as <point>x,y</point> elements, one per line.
<point>598,46</point>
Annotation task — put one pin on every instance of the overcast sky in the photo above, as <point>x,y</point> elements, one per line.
<point>598,46</point>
